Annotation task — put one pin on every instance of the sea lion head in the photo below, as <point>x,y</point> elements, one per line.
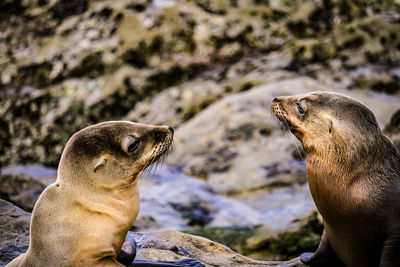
<point>326,121</point>
<point>112,154</point>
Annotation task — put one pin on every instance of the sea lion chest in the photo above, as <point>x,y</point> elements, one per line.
<point>351,221</point>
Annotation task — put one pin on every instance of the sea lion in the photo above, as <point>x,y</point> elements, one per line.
<point>353,172</point>
<point>83,217</point>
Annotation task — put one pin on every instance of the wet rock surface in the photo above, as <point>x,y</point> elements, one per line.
<point>172,200</point>
<point>14,231</point>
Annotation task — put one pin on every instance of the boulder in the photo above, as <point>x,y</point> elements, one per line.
<point>172,245</point>
<point>265,242</point>
<point>43,174</point>
<point>66,65</point>
<point>170,200</point>
<point>181,103</point>
<point>14,231</point>
<point>20,189</point>
<point>237,145</point>
<point>392,129</point>
<point>155,245</point>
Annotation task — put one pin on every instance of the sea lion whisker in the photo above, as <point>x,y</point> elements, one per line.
<point>282,121</point>
<point>156,166</point>
<point>158,156</point>
<point>150,167</point>
<point>146,171</point>
<point>294,144</point>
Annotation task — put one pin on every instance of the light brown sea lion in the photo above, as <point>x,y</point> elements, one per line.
<point>82,219</point>
<point>353,171</point>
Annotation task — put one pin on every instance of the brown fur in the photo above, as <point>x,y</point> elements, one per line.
<point>353,172</point>
<point>82,219</point>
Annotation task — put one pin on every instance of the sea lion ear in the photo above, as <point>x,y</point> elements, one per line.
<point>330,125</point>
<point>99,163</point>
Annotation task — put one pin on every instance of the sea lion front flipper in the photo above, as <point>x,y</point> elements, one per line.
<point>180,263</point>
<point>390,253</point>
<point>324,256</point>
<point>128,253</point>
<point>128,250</point>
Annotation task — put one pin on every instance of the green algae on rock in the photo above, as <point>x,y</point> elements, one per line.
<point>262,244</point>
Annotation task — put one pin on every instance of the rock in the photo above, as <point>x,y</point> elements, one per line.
<point>393,126</point>
<point>381,83</point>
<point>392,129</point>
<point>171,200</point>
<point>174,201</point>
<point>209,69</point>
<point>14,231</point>
<point>67,65</point>
<point>181,103</point>
<point>20,189</point>
<point>177,104</point>
<point>172,245</point>
<point>22,184</point>
<point>263,243</point>
<point>354,40</point>
<point>368,40</point>
<point>43,174</point>
<point>62,10</point>
<point>237,145</point>
<point>155,245</point>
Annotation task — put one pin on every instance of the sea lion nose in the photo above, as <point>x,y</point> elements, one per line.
<point>276,99</point>
<point>171,130</point>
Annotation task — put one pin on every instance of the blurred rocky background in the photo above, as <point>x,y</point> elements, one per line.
<point>208,68</point>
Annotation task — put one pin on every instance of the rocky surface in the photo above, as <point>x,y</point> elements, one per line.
<point>94,63</point>
<point>209,69</point>
<point>237,144</point>
<point>154,246</point>
<point>43,174</point>
<point>171,246</point>
<point>248,223</point>
<point>20,189</point>
<point>22,185</point>
<point>14,231</point>
<point>172,200</point>
<point>91,61</point>
<point>266,243</point>
<point>276,223</point>
<point>392,129</point>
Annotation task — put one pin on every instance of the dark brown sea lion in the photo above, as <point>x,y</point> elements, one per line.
<point>353,172</point>
<point>82,219</point>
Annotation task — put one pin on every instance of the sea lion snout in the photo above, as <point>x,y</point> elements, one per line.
<point>171,130</point>
<point>163,132</point>
<point>277,109</point>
